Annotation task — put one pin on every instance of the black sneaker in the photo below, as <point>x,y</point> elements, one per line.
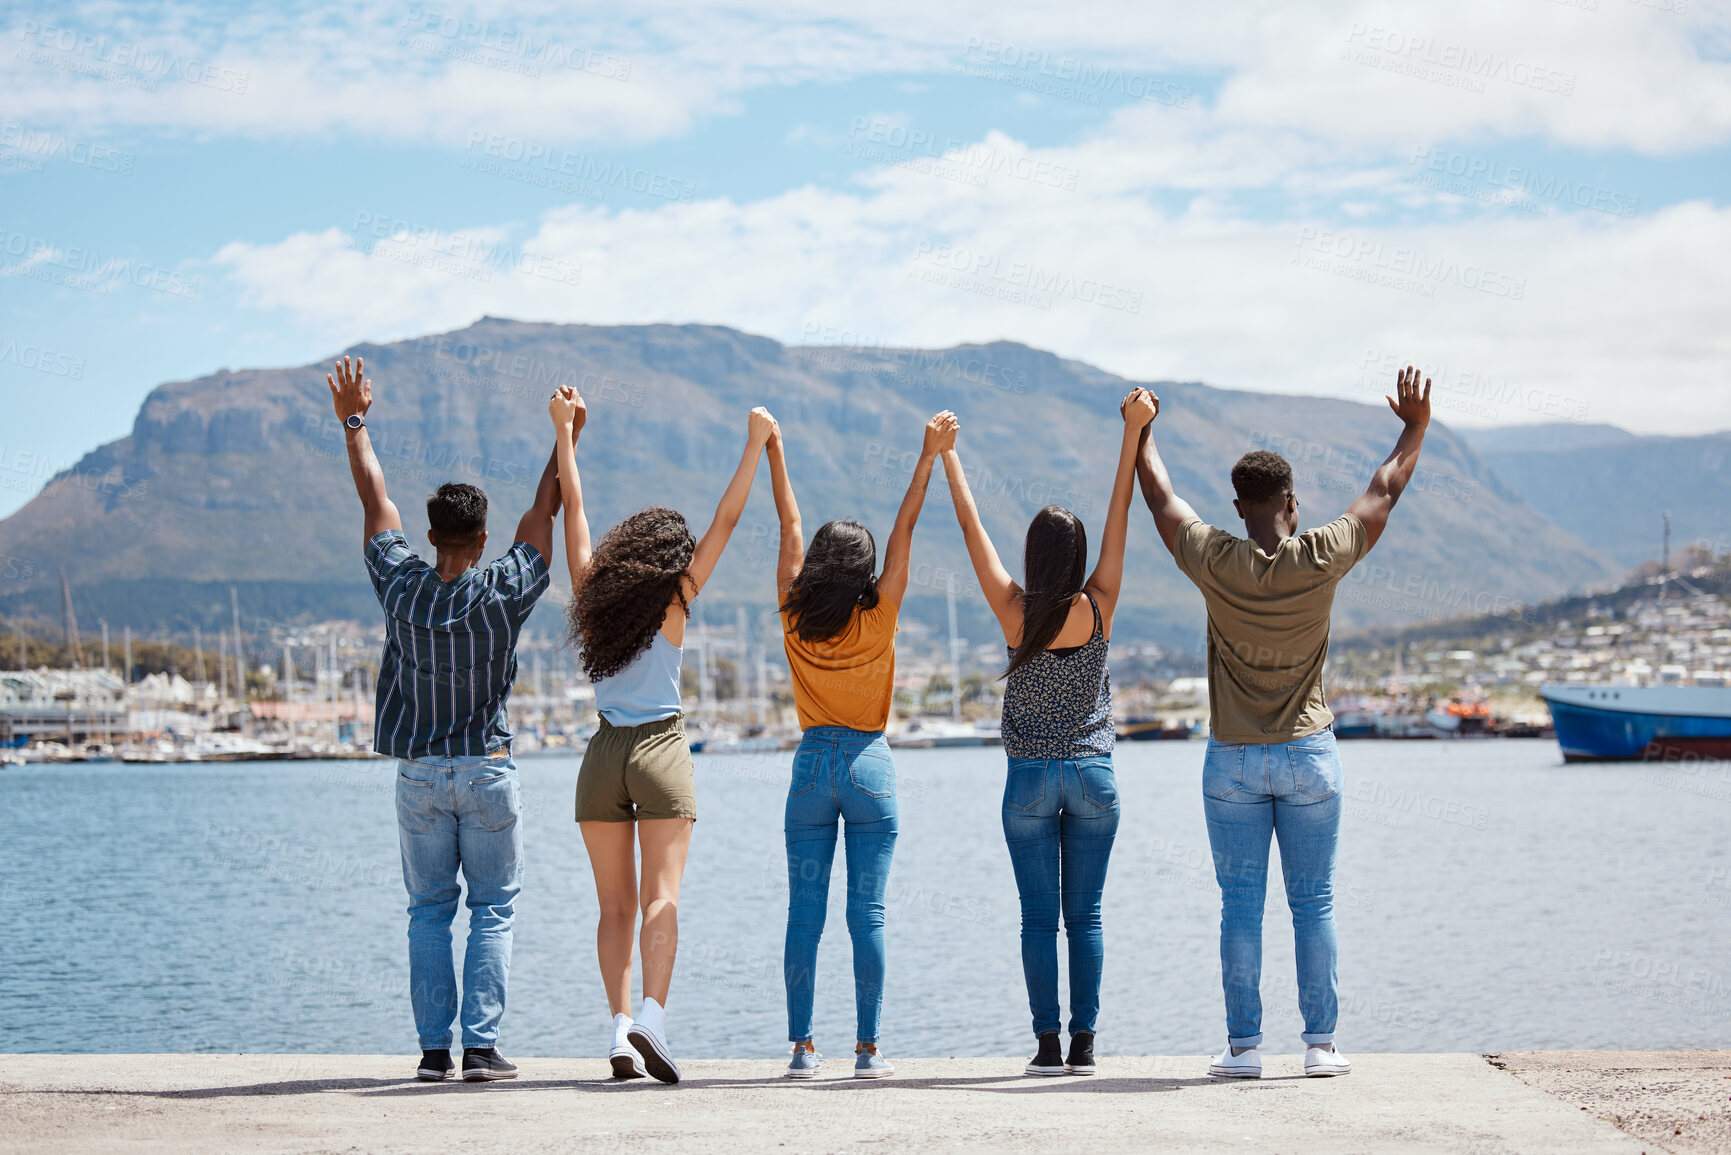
<point>435,1066</point>
<point>1050,1060</point>
<point>484,1064</point>
<point>1081,1060</point>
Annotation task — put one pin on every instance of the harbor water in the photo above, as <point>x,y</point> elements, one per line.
<point>1489,898</point>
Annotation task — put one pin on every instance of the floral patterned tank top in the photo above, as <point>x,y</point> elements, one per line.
<point>1059,704</point>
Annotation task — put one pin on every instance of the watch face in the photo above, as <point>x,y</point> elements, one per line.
<point>354,421</point>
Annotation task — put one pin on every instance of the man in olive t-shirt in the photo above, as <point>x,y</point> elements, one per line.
<point>1272,769</point>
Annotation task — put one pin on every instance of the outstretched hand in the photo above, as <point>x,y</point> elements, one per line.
<point>1410,405</point>
<point>566,408</point>
<point>760,427</point>
<point>1139,407</point>
<point>351,392</point>
<point>940,434</point>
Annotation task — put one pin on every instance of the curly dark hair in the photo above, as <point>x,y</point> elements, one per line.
<point>1260,476</point>
<point>637,570</point>
<point>839,574</point>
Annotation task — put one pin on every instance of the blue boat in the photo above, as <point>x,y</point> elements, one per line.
<point>1640,723</point>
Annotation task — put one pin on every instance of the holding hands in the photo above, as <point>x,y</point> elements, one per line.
<point>1139,408</point>
<point>567,410</point>
<point>762,428</point>
<point>940,434</point>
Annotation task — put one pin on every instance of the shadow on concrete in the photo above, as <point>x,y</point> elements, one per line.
<point>993,1084</point>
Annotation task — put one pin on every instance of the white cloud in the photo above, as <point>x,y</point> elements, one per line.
<point>1578,315</point>
<point>1638,77</point>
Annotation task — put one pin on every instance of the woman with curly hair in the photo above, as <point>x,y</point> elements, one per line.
<point>630,597</point>
<point>839,626</point>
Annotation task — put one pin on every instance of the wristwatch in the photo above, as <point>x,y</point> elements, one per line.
<point>355,421</point>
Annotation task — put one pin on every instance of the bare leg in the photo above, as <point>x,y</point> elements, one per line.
<point>613,859</point>
<point>665,844</point>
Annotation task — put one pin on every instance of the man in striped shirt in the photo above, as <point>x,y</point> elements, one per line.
<point>449,662</point>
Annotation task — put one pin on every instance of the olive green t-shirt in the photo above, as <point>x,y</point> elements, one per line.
<point>1268,624</point>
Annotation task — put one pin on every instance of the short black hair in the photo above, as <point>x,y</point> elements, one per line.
<point>457,515</point>
<point>1260,476</point>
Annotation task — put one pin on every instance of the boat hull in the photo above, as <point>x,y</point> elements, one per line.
<point>1629,725</point>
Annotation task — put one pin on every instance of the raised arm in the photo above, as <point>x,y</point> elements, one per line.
<point>790,555</point>
<point>569,415</point>
<point>727,514</point>
<point>1413,408</point>
<point>940,435</point>
<point>999,588</point>
<point>352,394</point>
<point>1170,511</point>
<point>536,525</point>
<point>1108,576</point>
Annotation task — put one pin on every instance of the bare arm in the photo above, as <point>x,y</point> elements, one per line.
<point>569,415</point>
<point>940,435</point>
<point>1413,408</point>
<point>790,555</point>
<point>996,583</point>
<point>1108,577</point>
<point>352,394</point>
<point>536,525</point>
<point>727,514</point>
<point>1170,511</point>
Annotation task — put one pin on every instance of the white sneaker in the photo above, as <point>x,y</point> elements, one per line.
<point>1322,1061</point>
<point>623,1057</point>
<point>1230,1066</point>
<point>657,1055</point>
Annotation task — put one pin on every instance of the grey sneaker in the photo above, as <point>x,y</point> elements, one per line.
<point>804,1063</point>
<point>871,1065</point>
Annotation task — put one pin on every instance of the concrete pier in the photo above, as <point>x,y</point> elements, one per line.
<point>1569,1103</point>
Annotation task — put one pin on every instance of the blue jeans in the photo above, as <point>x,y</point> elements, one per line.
<point>1290,790</point>
<point>451,813</point>
<point>845,774</point>
<point>1060,818</point>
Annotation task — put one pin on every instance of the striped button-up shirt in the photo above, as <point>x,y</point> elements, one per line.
<point>450,649</point>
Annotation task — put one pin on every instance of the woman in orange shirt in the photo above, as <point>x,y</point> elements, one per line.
<point>839,626</point>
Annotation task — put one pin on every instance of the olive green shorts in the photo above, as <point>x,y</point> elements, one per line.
<point>632,773</point>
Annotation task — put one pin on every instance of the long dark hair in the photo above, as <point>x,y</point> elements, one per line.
<point>637,570</point>
<point>1054,566</point>
<point>840,573</point>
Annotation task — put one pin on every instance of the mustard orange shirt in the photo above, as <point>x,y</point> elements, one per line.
<point>850,679</point>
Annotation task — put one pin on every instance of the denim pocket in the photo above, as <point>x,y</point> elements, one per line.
<point>873,773</point>
<point>497,800</point>
<point>804,772</point>
<point>1099,783</point>
<point>1223,769</point>
<point>1315,764</point>
<point>1025,786</point>
<point>416,811</point>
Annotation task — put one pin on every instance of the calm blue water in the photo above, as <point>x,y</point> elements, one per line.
<point>1490,898</point>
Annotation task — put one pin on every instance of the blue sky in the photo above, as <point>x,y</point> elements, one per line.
<point>1528,196</point>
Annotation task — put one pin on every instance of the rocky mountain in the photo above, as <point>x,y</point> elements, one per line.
<point>239,478</point>
<point>1610,487</point>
